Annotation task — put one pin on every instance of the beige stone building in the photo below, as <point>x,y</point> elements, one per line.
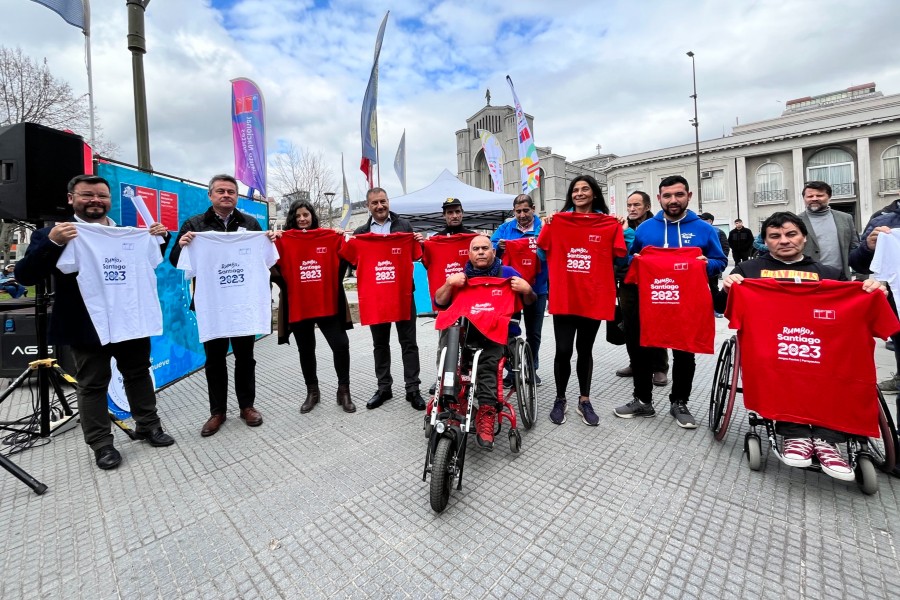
<point>850,139</point>
<point>556,171</point>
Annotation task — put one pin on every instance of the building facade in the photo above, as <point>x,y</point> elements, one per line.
<point>849,139</point>
<point>555,172</point>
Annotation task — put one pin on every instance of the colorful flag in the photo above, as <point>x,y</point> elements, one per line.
<point>73,12</point>
<point>528,158</point>
<point>493,156</point>
<point>400,161</point>
<point>345,215</point>
<point>249,132</point>
<point>368,118</point>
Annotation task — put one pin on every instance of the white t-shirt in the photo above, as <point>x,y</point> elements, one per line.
<point>886,262</point>
<point>117,279</point>
<point>232,294</point>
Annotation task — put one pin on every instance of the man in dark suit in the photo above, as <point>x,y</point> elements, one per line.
<point>383,221</point>
<point>832,234</point>
<point>71,325</point>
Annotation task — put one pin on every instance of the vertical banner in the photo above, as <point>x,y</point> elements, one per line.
<point>611,190</point>
<point>528,158</point>
<point>249,133</point>
<point>368,120</point>
<point>400,161</point>
<point>493,156</point>
<point>345,213</point>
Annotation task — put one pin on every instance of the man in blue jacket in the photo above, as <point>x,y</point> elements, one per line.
<point>673,227</point>
<point>527,224</point>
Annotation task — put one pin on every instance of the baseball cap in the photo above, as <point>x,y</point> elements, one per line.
<point>451,203</point>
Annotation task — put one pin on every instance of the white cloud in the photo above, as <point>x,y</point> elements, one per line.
<point>613,73</point>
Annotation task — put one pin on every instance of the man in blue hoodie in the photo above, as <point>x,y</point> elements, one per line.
<point>673,227</point>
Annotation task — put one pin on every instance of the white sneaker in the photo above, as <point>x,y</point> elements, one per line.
<point>832,462</point>
<point>797,452</point>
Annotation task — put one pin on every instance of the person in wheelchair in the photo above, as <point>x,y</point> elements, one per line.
<point>483,262</point>
<point>784,234</point>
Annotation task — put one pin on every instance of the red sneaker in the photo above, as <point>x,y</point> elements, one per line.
<point>484,426</point>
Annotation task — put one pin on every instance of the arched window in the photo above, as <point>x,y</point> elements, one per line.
<point>482,178</point>
<point>890,169</point>
<point>770,185</point>
<point>835,167</point>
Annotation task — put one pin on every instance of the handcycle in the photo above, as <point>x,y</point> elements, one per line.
<point>864,454</point>
<point>450,414</point>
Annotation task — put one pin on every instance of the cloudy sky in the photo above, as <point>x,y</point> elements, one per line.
<point>612,72</point>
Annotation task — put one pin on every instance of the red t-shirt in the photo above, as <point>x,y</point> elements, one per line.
<point>384,274</point>
<point>488,303</point>
<point>521,255</point>
<point>807,351</point>
<point>580,250</point>
<point>309,263</point>
<point>443,256</point>
<point>675,304</point>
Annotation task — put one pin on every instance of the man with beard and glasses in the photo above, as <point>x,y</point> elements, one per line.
<point>832,234</point>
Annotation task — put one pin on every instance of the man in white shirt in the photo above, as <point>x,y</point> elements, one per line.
<point>224,216</point>
<point>71,325</point>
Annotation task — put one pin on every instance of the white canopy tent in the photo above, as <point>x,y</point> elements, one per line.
<point>483,209</point>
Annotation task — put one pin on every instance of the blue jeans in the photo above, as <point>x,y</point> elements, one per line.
<point>533,317</point>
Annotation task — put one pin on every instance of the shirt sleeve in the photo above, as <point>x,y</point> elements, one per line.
<point>416,248</point>
<point>348,251</point>
<point>882,318</point>
<point>734,309</point>
<point>270,252</point>
<point>68,260</point>
<point>184,261</point>
<point>153,255</point>
<point>620,246</point>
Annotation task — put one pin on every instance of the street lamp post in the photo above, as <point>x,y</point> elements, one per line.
<point>329,196</point>
<point>696,133</point>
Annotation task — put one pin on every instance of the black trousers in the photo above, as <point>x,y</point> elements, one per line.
<point>574,333</point>
<point>381,342</point>
<point>335,334</point>
<point>683,364</point>
<point>217,372</point>
<point>659,357</point>
<point>93,372</point>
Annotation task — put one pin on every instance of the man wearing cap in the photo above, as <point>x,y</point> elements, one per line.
<point>453,217</point>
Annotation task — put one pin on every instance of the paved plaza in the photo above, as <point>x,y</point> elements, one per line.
<point>333,505</point>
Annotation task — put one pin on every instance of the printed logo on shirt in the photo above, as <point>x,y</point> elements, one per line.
<point>463,252</point>
<point>821,313</point>
<point>115,271</point>
<point>244,251</point>
<point>686,237</point>
<point>310,271</point>
<point>231,274</point>
<point>127,245</point>
<point>452,268</point>
<point>788,274</point>
<point>664,290</point>
<point>321,249</point>
<point>594,238</point>
<point>482,307</point>
<point>527,262</point>
<point>496,292</point>
<point>385,271</point>
<point>396,251</point>
<point>680,266</point>
<point>800,344</point>
<point>578,260</point>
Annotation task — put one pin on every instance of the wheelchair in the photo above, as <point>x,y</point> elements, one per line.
<point>864,454</point>
<point>450,414</point>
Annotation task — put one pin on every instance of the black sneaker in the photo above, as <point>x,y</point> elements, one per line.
<point>682,415</point>
<point>558,414</point>
<point>635,408</point>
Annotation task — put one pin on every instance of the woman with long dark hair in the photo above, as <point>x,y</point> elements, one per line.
<point>575,332</point>
<point>336,320</point>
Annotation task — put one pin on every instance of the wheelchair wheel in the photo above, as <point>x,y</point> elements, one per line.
<point>866,476</point>
<point>884,448</point>
<point>515,441</point>
<point>721,402</point>
<point>526,388</point>
<point>441,476</point>
<point>753,448</point>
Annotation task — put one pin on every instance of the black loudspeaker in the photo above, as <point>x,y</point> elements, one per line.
<point>36,164</point>
<point>18,343</point>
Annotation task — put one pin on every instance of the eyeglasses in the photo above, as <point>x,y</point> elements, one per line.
<point>92,195</point>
